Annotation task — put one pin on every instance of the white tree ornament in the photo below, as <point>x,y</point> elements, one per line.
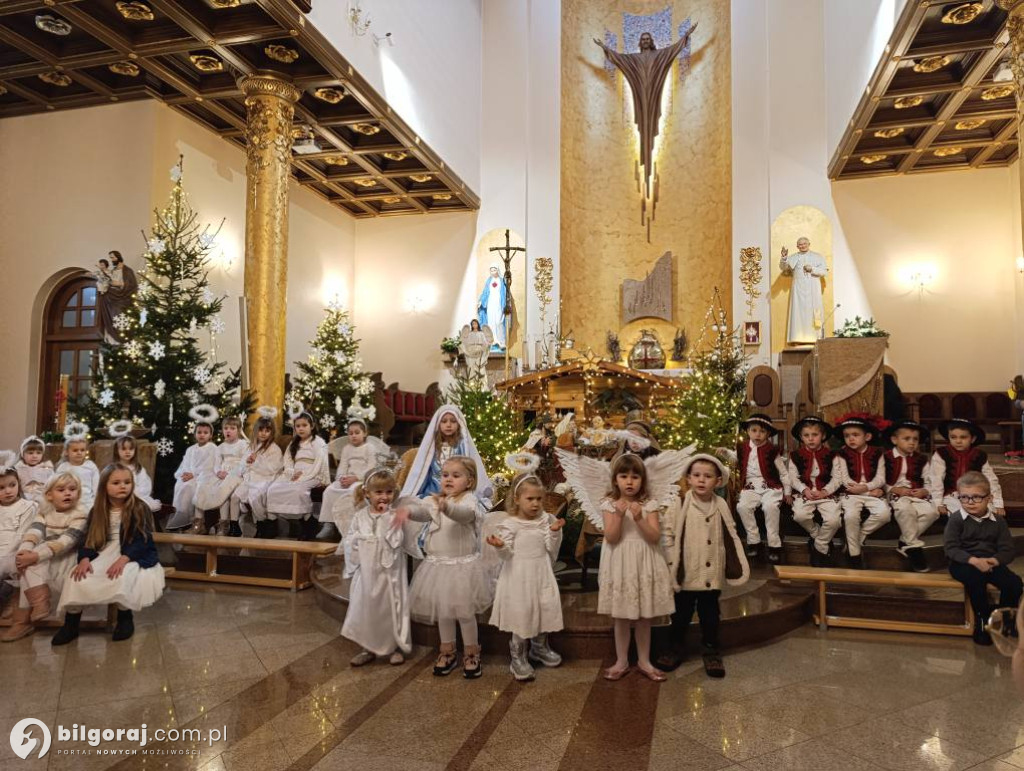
<point>143,317</point>
<point>156,245</point>
<point>121,322</point>
<point>164,447</point>
<point>327,421</point>
<point>159,388</point>
<point>217,325</point>
<point>133,350</point>
<point>157,350</point>
<point>106,397</point>
<point>202,375</point>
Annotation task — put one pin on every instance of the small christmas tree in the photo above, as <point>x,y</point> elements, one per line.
<point>496,428</point>
<point>331,379</point>
<point>705,408</point>
<point>159,373</point>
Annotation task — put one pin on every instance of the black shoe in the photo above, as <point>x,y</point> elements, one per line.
<point>266,529</point>
<point>812,553</point>
<point>753,549</point>
<point>981,637</point>
<point>69,631</point>
<point>918,563</point>
<point>775,555</point>
<point>713,666</point>
<point>856,561</point>
<point>125,627</point>
<point>669,662</point>
<point>235,531</point>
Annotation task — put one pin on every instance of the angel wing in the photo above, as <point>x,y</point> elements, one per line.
<point>378,445</point>
<point>664,472</point>
<point>488,335</point>
<point>588,478</point>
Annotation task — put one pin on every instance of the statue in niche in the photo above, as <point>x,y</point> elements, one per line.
<point>490,310</point>
<point>646,72</point>
<point>475,343</point>
<point>806,311</point>
<point>651,297</point>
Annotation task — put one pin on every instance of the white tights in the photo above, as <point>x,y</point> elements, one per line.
<point>446,628</point>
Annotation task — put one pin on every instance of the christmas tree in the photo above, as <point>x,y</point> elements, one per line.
<point>706,406</point>
<point>495,427</point>
<point>331,379</point>
<point>159,373</point>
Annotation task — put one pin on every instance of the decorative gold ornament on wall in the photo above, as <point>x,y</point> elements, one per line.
<point>931,64</point>
<point>222,4</point>
<point>396,155</point>
<point>750,275</point>
<point>906,102</point>
<point>206,63</point>
<point>420,177</point>
<point>54,78</point>
<point>945,152</point>
<point>366,129</point>
<point>336,160</point>
<point>442,196</point>
<point>997,92</point>
<point>134,11</point>
<point>875,158</point>
<point>365,182</point>
<point>970,124</point>
<point>329,95</point>
<point>964,13</point>
<point>280,53</point>
<point>126,68</point>
<point>889,133</point>
<point>392,199</point>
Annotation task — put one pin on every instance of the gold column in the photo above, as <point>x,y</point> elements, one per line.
<point>1016,28</point>
<point>270,105</point>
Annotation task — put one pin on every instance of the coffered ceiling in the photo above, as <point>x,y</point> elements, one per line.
<point>938,99</point>
<point>350,147</point>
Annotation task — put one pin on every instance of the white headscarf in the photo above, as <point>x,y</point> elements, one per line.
<point>425,455</point>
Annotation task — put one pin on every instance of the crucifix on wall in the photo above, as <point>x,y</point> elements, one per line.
<point>507,252</point>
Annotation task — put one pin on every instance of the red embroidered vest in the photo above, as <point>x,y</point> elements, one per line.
<point>861,465</point>
<point>914,468</point>
<point>767,453</point>
<point>803,458</point>
<point>959,463</point>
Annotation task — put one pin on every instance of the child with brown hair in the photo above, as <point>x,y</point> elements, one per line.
<point>527,602</point>
<point>263,464</point>
<point>75,458</point>
<point>16,514</point>
<point>33,471</point>
<point>907,482</point>
<point>953,460</point>
<point>217,485</point>
<point>117,562</point>
<point>126,453</point>
<point>813,477</point>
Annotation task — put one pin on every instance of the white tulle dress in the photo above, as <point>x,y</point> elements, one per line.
<point>527,601</point>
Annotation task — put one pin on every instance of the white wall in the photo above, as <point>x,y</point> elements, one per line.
<point>431,76</point>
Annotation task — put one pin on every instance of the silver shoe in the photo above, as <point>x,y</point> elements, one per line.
<point>541,652</point>
<point>328,533</point>
<point>519,667</point>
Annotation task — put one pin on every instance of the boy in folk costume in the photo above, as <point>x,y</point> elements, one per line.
<point>764,481</point>
<point>955,459</point>
<point>862,474</point>
<point>907,479</point>
<point>812,473</point>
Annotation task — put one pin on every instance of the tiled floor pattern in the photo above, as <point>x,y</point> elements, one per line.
<point>271,668</point>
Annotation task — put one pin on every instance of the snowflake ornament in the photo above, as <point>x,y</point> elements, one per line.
<point>164,447</point>
<point>338,404</point>
<point>206,240</point>
<point>201,374</point>
<point>217,325</point>
<point>143,317</point>
<point>121,322</point>
<point>133,350</point>
<point>159,388</point>
<point>344,329</point>
<point>207,296</point>
<point>327,421</point>
<point>176,172</point>
<point>156,351</point>
<point>106,398</point>
<point>156,245</point>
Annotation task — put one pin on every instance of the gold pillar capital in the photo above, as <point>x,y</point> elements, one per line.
<point>270,110</point>
<point>1011,5</point>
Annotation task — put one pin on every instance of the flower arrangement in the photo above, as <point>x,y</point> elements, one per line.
<point>858,327</point>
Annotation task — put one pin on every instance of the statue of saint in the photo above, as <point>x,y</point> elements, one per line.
<point>121,286</point>
<point>490,310</point>
<point>646,72</point>
<point>806,313</point>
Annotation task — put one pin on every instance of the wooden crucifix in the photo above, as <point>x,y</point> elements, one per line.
<point>507,252</point>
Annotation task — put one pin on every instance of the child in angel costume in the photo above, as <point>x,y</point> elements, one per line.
<point>705,552</point>
<point>359,454</point>
<point>33,471</point>
<point>452,583</point>
<point>117,561</point>
<point>527,601</point>
<point>75,459</point>
<point>215,488</point>
<point>200,461</point>
<point>126,453</point>
<point>16,515</point>
<point>634,585</point>
<point>305,468</point>
<point>263,463</point>
<point>378,611</point>
<point>47,551</point>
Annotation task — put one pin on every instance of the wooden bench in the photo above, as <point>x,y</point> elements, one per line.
<point>822,577</point>
<point>302,553</point>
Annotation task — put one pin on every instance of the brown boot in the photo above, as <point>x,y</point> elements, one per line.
<point>9,607</point>
<point>198,526</point>
<point>39,599</point>
<point>21,625</point>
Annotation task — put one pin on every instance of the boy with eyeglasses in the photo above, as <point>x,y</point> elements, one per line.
<point>979,547</point>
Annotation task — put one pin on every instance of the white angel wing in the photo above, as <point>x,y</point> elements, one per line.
<point>488,335</point>
<point>464,332</point>
<point>588,477</point>
<point>664,472</point>
<point>378,445</point>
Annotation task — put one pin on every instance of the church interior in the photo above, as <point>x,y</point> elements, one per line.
<point>621,354</point>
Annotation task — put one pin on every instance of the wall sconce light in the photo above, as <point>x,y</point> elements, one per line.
<point>359,23</point>
<point>921,279</point>
<point>421,298</point>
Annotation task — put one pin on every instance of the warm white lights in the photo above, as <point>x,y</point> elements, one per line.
<point>420,298</point>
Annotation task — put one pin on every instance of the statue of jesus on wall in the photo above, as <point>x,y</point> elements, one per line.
<point>646,72</point>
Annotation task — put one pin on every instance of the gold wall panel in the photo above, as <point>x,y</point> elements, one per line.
<point>484,260</point>
<point>602,238</point>
<point>793,223</point>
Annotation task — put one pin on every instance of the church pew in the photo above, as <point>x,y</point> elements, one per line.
<point>823,577</point>
<point>252,568</point>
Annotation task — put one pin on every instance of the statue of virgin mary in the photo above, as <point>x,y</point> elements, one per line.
<point>490,310</point>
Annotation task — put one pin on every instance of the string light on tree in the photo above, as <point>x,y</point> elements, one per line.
<point>496,428</point>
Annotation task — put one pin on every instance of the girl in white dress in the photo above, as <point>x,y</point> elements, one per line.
<point>117,561</point>
<point>378,609</point>
<point>16,514</point>
<point>215,489</point>
<point>33,471</point>
<point>357,458</point>
<point>75,459</point>
<point>527,601</point>
<point>126,451</point>
<point>200,459</point>
<point>48,550</point>
<point>263,464</point>
<point>305,468</point>
<point>452,583</point>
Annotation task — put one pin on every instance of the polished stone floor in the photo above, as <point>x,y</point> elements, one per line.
<point>271,668</point>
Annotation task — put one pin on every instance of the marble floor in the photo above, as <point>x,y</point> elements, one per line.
<point>269,669</point>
